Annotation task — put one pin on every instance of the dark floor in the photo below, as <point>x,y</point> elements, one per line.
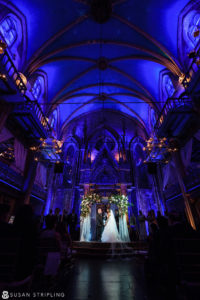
<point>100,279</point>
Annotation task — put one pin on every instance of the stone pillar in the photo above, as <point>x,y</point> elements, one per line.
<point>29,177</point>
<point>179,171</point>
<point>50,181</point>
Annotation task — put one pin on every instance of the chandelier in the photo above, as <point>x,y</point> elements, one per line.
<point>49,149</point>
<point>158,150</point>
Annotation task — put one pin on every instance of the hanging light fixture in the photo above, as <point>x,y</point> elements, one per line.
<point>21,82</point>
<point>3,46</point>
<point>157,149</point>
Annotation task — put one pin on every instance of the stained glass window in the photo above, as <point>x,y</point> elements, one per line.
<point>8,30</point>
<point>169,87</point>
<point>193,27</point>
<point>37,88</point>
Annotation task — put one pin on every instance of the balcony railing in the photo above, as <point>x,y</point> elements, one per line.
<point>10,176</point>
<point>32,106</point>
<point>12,71</point>
<point>176,102</point>
<point>170,104</point>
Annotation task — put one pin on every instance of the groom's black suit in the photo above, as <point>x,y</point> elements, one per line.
<point>99,226</point>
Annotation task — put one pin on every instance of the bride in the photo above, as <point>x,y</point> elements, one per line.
<point>110,233</point>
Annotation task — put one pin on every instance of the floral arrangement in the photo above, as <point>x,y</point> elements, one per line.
<point>119,200</point>
<point>122,202</point>
<point>87,201</point>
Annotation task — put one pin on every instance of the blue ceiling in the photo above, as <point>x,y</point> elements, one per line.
<point>138,41</point>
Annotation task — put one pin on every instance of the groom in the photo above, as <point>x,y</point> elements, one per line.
<point>99,224</point>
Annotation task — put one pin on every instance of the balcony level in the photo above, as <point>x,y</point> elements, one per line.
<point>26,114</point>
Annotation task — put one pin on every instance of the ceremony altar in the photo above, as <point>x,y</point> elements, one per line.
<point>89,206</point>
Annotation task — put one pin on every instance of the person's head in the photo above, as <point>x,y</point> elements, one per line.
<point>107,209</point>
<point>99,210</point>
<point>50,211</point>
<point>4,211</point>
<point>73,210</point>
<point>116,210</point>
<point>57,211</point>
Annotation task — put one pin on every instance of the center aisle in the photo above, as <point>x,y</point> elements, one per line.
<point>107,280</point>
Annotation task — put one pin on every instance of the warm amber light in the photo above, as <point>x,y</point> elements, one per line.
<point>23,78</point>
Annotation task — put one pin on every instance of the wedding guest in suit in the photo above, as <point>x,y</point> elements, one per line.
<point>57,215</point>
<point>64,218</point>
<point>142,226</point>
<point>72,219</point>
<point>49,216</point>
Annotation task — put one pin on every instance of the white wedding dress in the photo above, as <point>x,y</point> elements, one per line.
<point>110,233</point>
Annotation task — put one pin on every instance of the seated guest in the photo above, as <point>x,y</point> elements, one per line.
<point>176,226</point>
<point>50,232</point>
<point>66,240</point>
<point>6,230</point>
<point>26,230</point>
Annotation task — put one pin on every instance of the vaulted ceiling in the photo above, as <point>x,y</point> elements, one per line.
<point>102,64</point>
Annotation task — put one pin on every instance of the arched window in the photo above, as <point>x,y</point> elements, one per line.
<point>8,29</point>
<point>168,85</point>
<point>194,25</point>
<point>53,119</point>
<point>52,122</point>
<point>37,88</point>
<point>70,154</point>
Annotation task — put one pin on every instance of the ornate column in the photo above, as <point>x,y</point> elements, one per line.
<point>51,177</point>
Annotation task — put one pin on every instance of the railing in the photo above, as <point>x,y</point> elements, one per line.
<point>35,107</point>
<point>12,71</point>
<point>169,105</point>
<point>10,176</point>
<point>175,102</point>
<point>39,191</point>
<point>18,79</point>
